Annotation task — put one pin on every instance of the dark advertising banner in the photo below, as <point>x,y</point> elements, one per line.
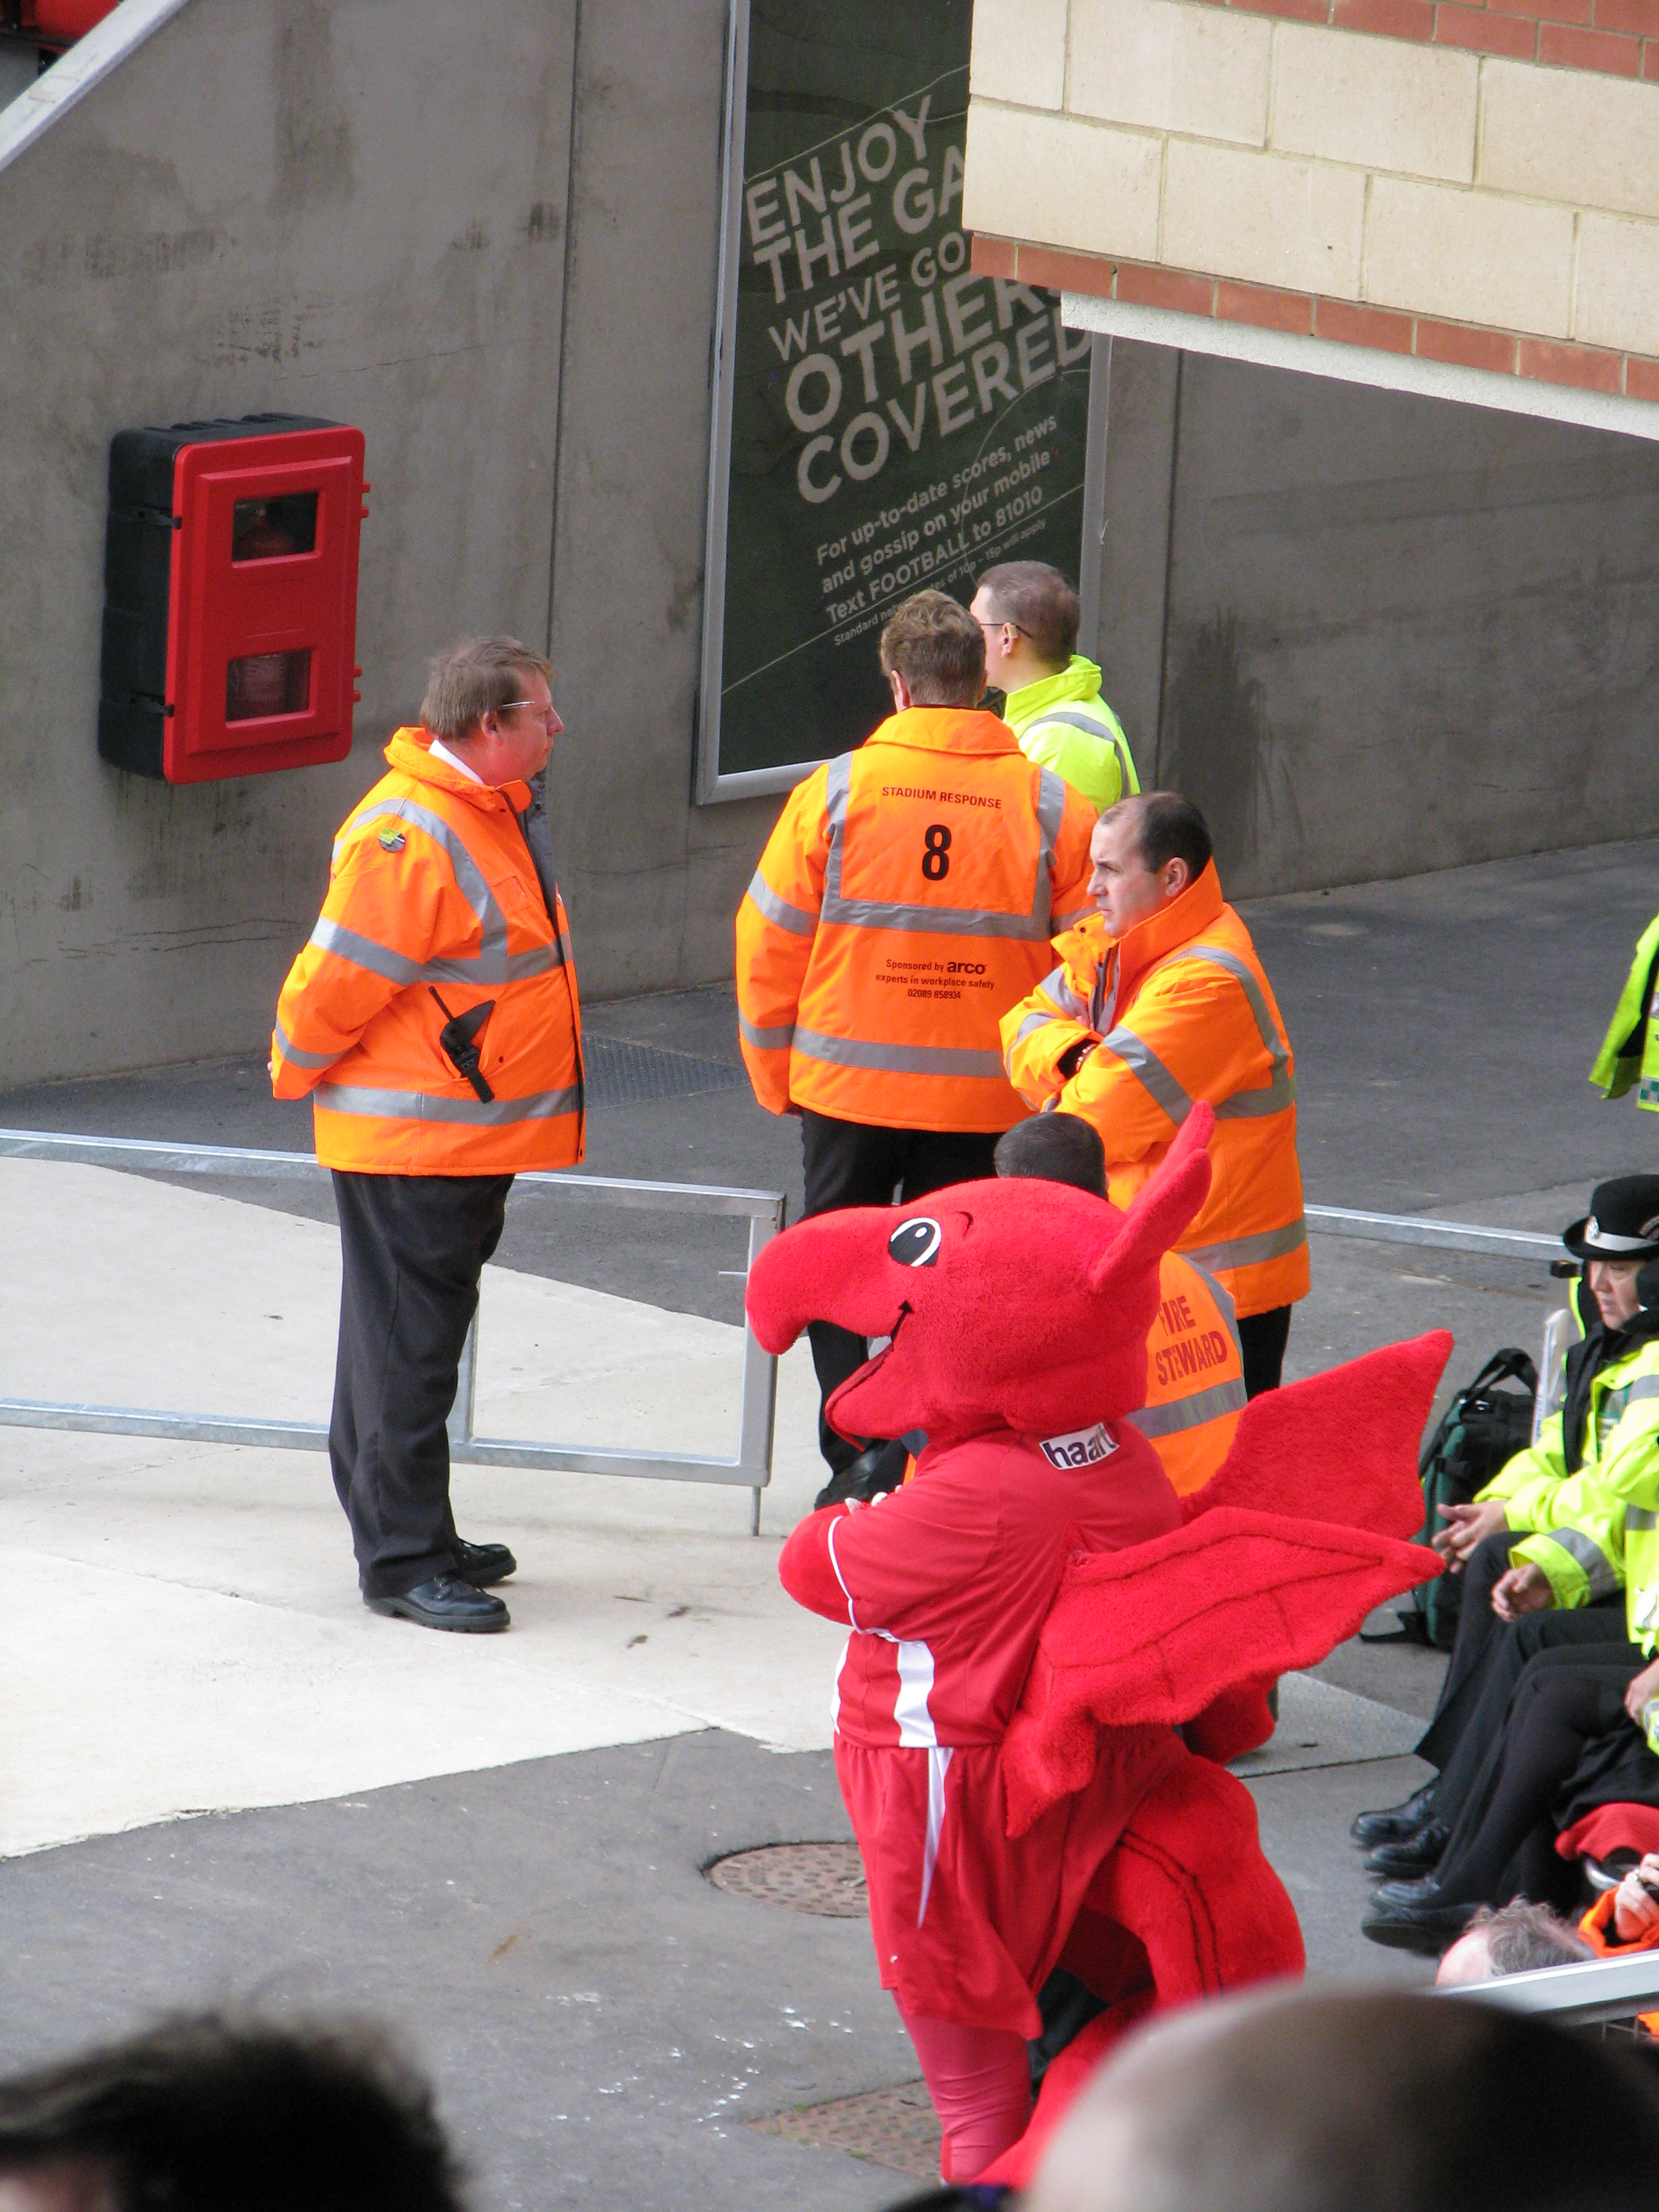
<point>886,420</point>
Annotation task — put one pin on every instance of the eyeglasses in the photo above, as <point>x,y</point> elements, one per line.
<point>1001,623</point>
<point>546,714</point>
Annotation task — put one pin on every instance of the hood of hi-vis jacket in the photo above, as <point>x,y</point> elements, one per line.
<point>434,891</point>
<point>1180,1008</point>
<point>908,895</point>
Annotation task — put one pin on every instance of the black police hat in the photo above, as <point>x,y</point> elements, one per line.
<point>1622,1224</point>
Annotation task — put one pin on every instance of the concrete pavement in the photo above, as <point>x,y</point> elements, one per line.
<point>499,1844</point>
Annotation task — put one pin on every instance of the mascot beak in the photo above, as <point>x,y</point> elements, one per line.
<point>833,1267</point>
<point>1162,1209</point>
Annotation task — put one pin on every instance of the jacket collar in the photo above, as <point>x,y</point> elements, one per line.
<point>411,753</point>
<point>1170,928</point>
<point>947,730</point>
<point>1080,680</point>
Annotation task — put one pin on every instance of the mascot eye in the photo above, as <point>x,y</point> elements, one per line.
<point>915,1243</point>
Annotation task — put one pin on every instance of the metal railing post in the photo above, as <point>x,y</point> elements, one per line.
<point>749,1468</point>
<point>460,1424</point>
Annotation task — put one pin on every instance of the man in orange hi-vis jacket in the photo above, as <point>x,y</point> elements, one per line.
<point>1159,1001</point>
<point>432,1017</point>
<point>906,896</point>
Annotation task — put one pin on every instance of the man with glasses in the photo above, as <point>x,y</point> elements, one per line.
<point>432,1017</point>
<point>1029,615</point>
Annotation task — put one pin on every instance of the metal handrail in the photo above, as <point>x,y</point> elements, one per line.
<point>1576,1996</point>
<point>751,1468</point>
<point>1422,1228</point>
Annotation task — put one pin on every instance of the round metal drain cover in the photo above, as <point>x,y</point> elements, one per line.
<point>823,1878</point>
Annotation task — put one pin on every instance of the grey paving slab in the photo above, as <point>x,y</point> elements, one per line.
<point>1321,1725</point>
<point>600,2020</point>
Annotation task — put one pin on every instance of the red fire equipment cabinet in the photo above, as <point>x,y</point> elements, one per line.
<point>230,596</point>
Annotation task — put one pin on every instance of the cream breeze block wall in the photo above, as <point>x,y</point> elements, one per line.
<point>1391,192</point>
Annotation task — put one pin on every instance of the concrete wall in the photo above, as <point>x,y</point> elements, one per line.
<point>358,209</point>
<point>1372,634</point>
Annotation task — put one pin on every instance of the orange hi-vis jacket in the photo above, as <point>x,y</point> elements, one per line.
<point>1194,1375</point>
<point>906,896</point>
<point>1181,1010</point>
<point>434,887</point>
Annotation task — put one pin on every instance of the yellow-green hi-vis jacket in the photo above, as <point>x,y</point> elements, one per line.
<point>1629,1053</point>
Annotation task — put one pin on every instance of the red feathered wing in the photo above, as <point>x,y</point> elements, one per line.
<point>1295,1538</point>
<point>1160,1631</point>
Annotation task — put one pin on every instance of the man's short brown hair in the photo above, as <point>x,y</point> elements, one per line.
<point>938,649</point>
<point>1168,827</point>
<point>477,677</point>
<point>1039,603</point>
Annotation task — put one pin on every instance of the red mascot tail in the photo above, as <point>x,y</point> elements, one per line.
<point>1188,1883</point>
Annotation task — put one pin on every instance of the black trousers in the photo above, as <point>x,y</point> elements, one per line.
<point>849,1163</point>
<point>411,1250</point>
<point>1262,1338</point>
<point>1503,1842</point>
<point>1489,1653</point>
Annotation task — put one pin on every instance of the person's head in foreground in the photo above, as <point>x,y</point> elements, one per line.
<point>206,2113</point>
<point>1295,2101</point>
<point>1055,1148</point>
<point>1517,1939</point>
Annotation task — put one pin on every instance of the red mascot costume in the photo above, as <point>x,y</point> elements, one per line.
<point>1050,1653</point>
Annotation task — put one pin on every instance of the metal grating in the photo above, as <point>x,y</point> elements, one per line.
<point>827,1878</point>
<point>894,2128</point>
<point>621,1073</point>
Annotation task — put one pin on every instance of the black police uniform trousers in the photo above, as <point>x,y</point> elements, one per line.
<point>411,1249</point>
<point>1262,1339</point>
<point>1565,1698</point>
<point>850,1163</point>
<point>1489,1653</point>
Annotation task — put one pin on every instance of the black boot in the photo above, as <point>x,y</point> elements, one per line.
<point>1394,1825</point>
<point>1415,1854</point>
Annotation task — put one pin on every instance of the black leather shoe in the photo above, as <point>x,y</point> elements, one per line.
<point>1394,1824</point>
<point>1412,1854</point>
<point>445,1602</point>
<point>1424,1890</point>
<point>481,1564</point>
<point>878,1468</point>
<point>1427,1928</point>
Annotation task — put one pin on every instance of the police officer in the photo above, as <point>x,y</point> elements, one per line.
<point>905,899</point>
<point>432,1017</point>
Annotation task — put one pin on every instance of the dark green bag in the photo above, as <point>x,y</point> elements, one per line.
<point>1484,1426</point>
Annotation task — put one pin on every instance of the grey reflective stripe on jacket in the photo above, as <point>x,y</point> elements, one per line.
<point>1075,718</point>
<point>794,918</point>
<point>1271,1097</point>
<point>491,963</point>
<point>1248,1251</point>
<point>900,1059</point>
<point>291,1051</point>
<point>1062,1000</point>
<point>1191,1413</point>
<point>940,920</point>
<point>1599,1572</point>
<point>1640,1517</point>
<point>764,1040</point>
<point>421,1106</point>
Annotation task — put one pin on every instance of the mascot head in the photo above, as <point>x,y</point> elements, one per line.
<point>1016,1304</point>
